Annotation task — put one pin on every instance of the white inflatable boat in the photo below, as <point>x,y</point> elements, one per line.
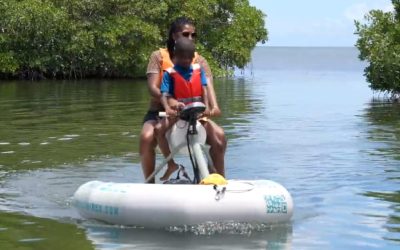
<point>162,205</point>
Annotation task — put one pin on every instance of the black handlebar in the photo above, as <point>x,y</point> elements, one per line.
<point>192,110</point>
<point>190,113</point>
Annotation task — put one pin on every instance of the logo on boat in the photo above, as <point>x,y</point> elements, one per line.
<point>275,204</point>
<point>97,208</point>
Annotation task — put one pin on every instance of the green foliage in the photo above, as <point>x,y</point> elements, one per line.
<point>229,30</point>
<point>379,44</point>
<point>34,35</point>
<point>96,38</point>
<point>232,40</point>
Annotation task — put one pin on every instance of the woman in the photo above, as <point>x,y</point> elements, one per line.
<point>160,60</point>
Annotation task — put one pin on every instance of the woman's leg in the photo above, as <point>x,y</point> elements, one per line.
<point>147,147</point>
<point>217,141</point>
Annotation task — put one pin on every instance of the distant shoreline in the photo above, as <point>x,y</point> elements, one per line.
<point>295,47</point>
<point>307,58</point>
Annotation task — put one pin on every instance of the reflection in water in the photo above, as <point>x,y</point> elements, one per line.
<point>238,103</point>
<point>75,122</point>
<point>385,117</point>
<point>26,232</point>
<point>71,122</point>
<point>106,237</point>
<point>385,129</point>
<point>393,219</point>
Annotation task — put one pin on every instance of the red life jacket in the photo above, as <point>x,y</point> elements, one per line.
<point>187,91</point>
<point>166,62</point>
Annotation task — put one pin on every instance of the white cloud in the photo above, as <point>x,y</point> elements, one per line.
<point>357,11</point>
<point>315,22</point>
<point>388,7</point>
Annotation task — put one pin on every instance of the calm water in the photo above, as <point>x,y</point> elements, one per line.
<point>303,117</point>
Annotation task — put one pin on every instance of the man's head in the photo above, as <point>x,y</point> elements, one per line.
<point>184,52</point>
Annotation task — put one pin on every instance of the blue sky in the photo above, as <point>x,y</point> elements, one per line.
<point>315,22</point>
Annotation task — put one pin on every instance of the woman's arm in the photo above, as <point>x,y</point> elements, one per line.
<point>212,99</point>
<point>164,102</point>
<point>153,74</point>
<point>206,101</point>
<point>152,83</point>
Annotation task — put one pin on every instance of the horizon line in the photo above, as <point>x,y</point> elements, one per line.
<point>308,46</point>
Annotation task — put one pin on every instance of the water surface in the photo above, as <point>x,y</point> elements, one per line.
<point>303,117</point>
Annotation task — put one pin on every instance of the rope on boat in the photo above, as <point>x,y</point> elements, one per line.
<point>221,190</point>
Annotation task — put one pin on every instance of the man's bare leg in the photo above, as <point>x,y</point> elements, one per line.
<point>217,141</point>
<point>161,130</point>
<point>147,146</point>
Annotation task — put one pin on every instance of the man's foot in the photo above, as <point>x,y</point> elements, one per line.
<point>169,171</point>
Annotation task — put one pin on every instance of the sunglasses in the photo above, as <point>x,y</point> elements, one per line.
<point>187,34</point>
